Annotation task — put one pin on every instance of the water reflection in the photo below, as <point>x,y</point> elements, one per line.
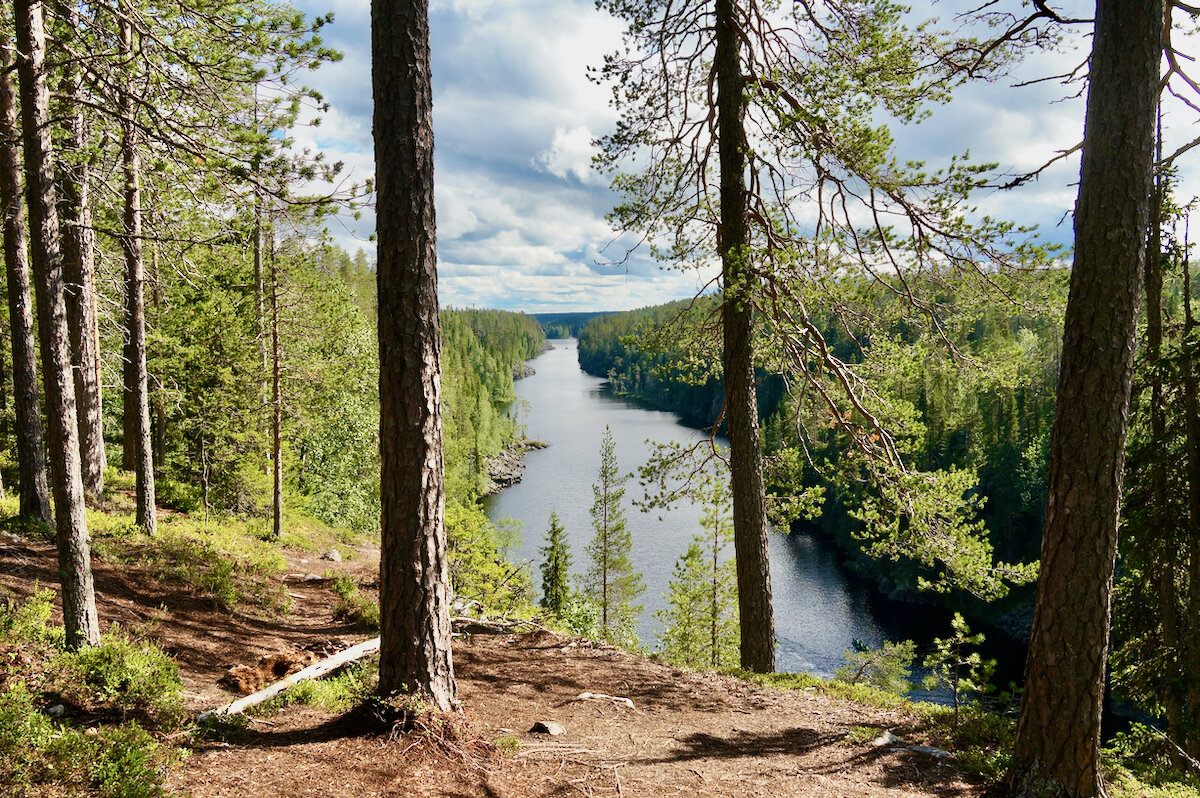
<point>820,608</point>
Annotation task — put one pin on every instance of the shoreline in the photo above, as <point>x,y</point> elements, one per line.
<point>506,468</point>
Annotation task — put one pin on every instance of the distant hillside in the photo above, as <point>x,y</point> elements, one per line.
<point>567,325</point>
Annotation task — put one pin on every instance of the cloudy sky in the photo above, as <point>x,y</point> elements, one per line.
<point>520,213</point>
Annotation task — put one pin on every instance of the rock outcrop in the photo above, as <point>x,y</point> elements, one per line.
<point>507,467</point>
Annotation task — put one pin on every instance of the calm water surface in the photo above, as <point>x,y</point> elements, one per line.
<point>819,608</point>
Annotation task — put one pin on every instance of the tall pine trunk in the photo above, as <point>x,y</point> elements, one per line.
<point>276,404</point>
<point>33,489</point>
<point>1057,750</point>
<point>79,270</point>
<point>137,384</point>
<point>74,546</point>
<point>414,600</point>
<point>756,614</point>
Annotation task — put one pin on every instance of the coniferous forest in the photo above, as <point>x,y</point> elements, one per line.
<point>245,466</point>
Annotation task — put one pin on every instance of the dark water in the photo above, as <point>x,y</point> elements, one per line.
<point>819,608</point>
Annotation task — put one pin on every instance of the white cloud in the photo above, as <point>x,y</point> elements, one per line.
<point>570,154</point>
<point>520,212</point>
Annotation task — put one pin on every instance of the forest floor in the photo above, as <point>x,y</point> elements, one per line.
<point>687,733</point>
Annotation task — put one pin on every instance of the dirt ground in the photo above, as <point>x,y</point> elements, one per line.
<point>687,734</point>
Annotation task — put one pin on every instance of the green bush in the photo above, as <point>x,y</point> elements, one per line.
<point>37,753</point>
<point>886,668</point>
<point>132,677</point>
<point>29,621</point>
<point>129,764</point>
<point>354,607</point>
<point>1138,763</point>
<point>25,734</point>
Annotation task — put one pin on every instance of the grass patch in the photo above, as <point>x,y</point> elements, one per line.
<point>862,735</point>
<point>225,560</point>
<point>337,693</point>
<point>858,693</point>
<point>507,745</point>
<point>354,607</point>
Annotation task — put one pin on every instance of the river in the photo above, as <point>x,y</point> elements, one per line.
<point>820,608</point>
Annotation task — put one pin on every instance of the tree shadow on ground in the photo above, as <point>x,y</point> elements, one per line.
<point>898,768</point>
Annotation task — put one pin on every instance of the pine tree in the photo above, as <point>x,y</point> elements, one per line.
<point>611,581</point>
<point>1057,747</point>
<point>414,600</point>
<point>701,619</point>
<point>556,568</point>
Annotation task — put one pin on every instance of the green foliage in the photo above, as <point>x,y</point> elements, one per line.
<point>336,693</point>
<point>887,668</point>
<point>581,615</point>
<point>951,665</point>
<point>38,755</point>
<point>556,569</point>
<point>611,583</point>
<point>478,571</point>
<point>861,735</point>
<point>29,621</point>
<point>129,765</point>
<point>134,677</point>
<point>507,745</point>
<point>225,560</point>
<point>354,607</point>
<point>1139,763</point>
<point>122,675</point>
<point>701,628</point>
<point>965,412</point>
<point>857,693</point>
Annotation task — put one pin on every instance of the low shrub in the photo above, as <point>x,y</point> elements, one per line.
<point>38,754</point>
<point>354,607</point>
<point>134,678</point>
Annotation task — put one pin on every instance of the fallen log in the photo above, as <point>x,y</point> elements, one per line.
<point>468,625</point>
<point>317,670</point>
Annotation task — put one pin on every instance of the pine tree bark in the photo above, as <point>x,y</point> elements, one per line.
<point>756,615</point>
<point>74,547</point>
<point>33,494</point>
<point>78,245</point>
<point>1057,750</point>
<point>414,582</point>
<point>276,406</point>
<point>137,384</point>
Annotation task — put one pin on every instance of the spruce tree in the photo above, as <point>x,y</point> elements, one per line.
<point>611,581</point>
<point>701,617</point>
<point>556,568</point>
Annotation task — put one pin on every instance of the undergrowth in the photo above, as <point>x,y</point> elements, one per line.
<point>38,754</point>
<point>1138,763</point>
<point>106,699</point>
<point>337,693</point>
<point>354,607</point>
<point>226,561</point>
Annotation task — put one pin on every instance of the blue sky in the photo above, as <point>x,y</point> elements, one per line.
<point>520,213</point>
